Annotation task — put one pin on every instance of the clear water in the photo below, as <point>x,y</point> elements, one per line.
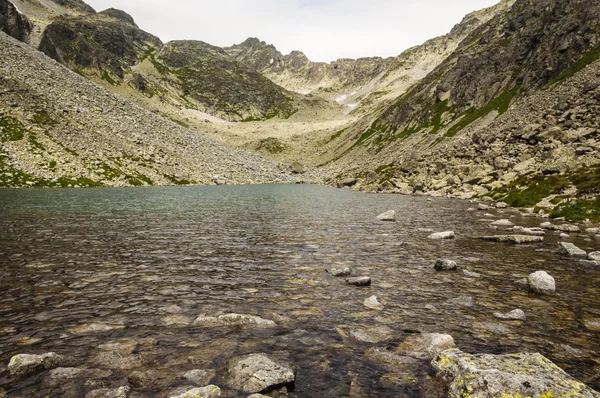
<point>137,256</point>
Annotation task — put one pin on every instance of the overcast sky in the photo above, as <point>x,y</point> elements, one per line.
<point>324,30</point>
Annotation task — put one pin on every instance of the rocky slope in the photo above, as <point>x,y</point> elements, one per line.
<point>365,82</point>
<point>109,46</point>
<point>515,99</point>
<point>59,129</point>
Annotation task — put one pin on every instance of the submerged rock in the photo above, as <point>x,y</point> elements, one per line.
<point>340,272</point>
<point>569,249</point>
<point>562,228</point>
<point>471,274</point>
<point>258,373</point>
<point>91,328</point>
<point>200,377</point>
<point>373,303</point>
<point>514,375</point>
<point>359,281</point>
<point>61,375</point>
<point>202,392</point>
<point>121,392</point>
<point>26,364</point>
<point>371,334</point>
<point>503,223</point>
<point>238,320</point>
<point>442,235</point>
<point>425,345</point>
<point>541,282</point>
<point>387,216</point>
<point>443,264</point>
<point>530,231</point>
<point>512,315</point>
<point>516,239</point>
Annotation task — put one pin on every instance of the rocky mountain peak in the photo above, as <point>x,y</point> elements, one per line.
<point>77,5</point>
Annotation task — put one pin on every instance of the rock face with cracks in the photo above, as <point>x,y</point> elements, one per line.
<point>514,375</point>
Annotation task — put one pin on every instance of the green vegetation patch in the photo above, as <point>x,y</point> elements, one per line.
<point>335,136</point>
<point>527,191</point>
<point>109,79</point>
<point>585,60</point>
<point>500,104</point>
<point>178,181</point>
<point>43,119</point>
<point>11,129</point>
<point>578,210</point>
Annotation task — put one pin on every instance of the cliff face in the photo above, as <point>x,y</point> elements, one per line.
<point>12,22</point>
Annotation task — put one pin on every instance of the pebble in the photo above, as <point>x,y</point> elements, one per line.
<point>359,281</point>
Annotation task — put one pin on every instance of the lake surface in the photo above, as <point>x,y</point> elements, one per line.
<point>148,259</point>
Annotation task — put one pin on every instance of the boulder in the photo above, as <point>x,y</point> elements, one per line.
<point>425,345</point>
<point>594,256</point>
<point>541,282</point>
<point>297,168</point>
<point>514,375</point>
<point>387,216</point>
<point>234,320</point>
<point>512,315</point>
<point>257,373</point>
<point>516,239</point>
<point>562,228</point>
<point>501,205</point>
<point>359,281</point>
<point>340,272</point>
<point>203,392</point>
<point>481,206</point>
<point>569,249</point>
<point>503,223</point>
<point>442,235</point>
<point>443,264</point>
<point>26,364</point>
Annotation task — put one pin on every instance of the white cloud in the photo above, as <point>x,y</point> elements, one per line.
<point>324,30</point>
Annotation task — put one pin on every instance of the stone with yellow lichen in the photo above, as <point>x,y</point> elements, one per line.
<point>506,376</point>
<point>203,392</point>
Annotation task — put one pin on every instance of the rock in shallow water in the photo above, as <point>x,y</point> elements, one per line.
<point>121,392</point>
<point>359,281</point>
<point>569,249</point>
<point>425,345</point>
<point>258,373</point>
<point>340,272</point>
<point>200,377</point>
<point>515,375</point>
<point>238,320</point>
<point>516,239</point>
<point>443,264</point>
<point>503,223</point>
<point>541,282</point>
<point>26,364</point>
<point>594,256</point>
<point>442,235</point>
<point>373,303</point>
<point>512,315</point>
<point>203,392</point>
<point>387,216</point>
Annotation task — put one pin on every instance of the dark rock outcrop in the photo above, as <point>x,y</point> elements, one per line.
<point>12,22</point>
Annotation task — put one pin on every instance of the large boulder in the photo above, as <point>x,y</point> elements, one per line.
<point>541,282</point>
<point>26,364</point>
<point>515,375</point>
<point>257,373</point>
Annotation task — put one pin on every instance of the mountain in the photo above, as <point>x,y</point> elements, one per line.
<point>109,46</point>
<point>57,128</point>
<point>363,83</point>
<point>516,102</point>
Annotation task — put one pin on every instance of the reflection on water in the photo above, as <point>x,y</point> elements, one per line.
<point>148,261</point>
